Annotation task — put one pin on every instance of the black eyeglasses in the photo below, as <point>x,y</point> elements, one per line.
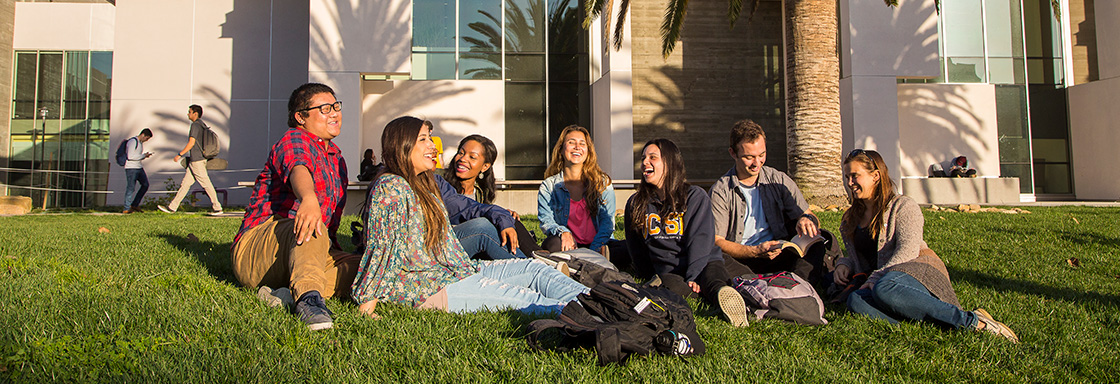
<point>325,108</point>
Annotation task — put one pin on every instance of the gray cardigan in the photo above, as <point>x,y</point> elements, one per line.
<point>901,248</point>
<point>782,204</point>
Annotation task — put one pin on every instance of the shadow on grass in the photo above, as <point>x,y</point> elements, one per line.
<point>985,280</point>
<point>213,255</point>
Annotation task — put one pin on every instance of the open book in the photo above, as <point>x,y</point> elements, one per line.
<point>799,244</point>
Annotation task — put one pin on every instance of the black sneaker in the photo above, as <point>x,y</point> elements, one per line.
<point>313,310</point>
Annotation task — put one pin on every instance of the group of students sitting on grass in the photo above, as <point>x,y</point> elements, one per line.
<point>434,240</point>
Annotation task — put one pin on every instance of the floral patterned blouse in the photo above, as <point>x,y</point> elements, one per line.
<point>396,266</point>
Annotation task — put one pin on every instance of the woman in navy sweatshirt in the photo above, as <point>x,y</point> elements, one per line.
<point>670,233</point>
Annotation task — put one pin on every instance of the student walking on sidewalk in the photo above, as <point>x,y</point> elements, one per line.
<point>196,165</point>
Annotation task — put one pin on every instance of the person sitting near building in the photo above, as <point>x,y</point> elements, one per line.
<point>471,174</point>
<point>288,235</point>
<point>905,280</point>
<point>755,207</point>
<point>961,168</point>
<point>669,233</point>
<point>412,255</point>
<point>369,166</point>
<point>575,204</point>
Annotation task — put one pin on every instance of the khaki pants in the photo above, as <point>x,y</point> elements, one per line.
<point>196,171</point>
<point>267,255</point>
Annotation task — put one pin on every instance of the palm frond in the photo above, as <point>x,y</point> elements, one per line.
<point>734,9</point>
<point>623,6</point>
<point>671,25</point>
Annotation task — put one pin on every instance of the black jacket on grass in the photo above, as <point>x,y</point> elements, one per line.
<point>682,244</point>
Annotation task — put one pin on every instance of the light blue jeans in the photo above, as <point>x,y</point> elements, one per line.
<point>479,235</point>
<point>898,296</point>
<point>525,285</point>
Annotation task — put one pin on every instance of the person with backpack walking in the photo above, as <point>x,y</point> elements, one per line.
<point>671,235</point>
<point>412,256</point>
<point>196,164</point>
<point>134,171</point>
<point>905,280</point>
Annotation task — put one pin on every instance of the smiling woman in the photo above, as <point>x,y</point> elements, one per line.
<point>413,257</point>
<point>575,204</point>
<point>471,174</point>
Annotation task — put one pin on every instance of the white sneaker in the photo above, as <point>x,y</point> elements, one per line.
<point>732,305</point>
<point>165,209</point>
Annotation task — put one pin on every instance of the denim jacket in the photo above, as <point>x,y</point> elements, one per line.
<point>553,202</point>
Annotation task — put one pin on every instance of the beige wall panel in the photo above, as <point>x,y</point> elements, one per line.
<point>869,117</point>
<point>64,26</point>
<point>212,58</point>
<point>938,122</point>
<point>153,46</point>
<point>1108,37</point>
<point>363,36</point>
<point>612,123</point>
<point>456,108</point>
<point>889,41</point>
<point>1094,138</point>
<point>347,89</point>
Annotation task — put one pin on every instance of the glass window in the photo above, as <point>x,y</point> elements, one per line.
<point>74,97</point>
<point>966,70</point>
<point>480,66</point>
<point>525,133</point>
<point>50,84</point>
<point>1006,70</point>
<point>480,25</point>
<point>433,66</point>
<point>23,104</point>
<point>433,25</point>
<point>1021,172</point>
<point>521,67</point>
<point>1052,179</point>
<point>525,23</point>
<point>966,35</point>
<point>100,81</point>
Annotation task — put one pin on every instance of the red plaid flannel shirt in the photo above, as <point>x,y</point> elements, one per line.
<point>274,196</point>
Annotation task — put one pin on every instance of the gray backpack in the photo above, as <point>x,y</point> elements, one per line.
<point>210,144</point>
<point>781,295</point>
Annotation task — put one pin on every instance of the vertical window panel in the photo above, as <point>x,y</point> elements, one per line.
<point>525,25</point>
<point>74,96</point>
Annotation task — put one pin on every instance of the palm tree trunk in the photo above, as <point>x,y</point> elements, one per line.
<point>813,134</point>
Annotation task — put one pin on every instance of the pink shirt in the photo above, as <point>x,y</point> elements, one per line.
<point>580,223</point>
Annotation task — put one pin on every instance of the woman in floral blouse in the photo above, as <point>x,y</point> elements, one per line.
<point>412,256</point>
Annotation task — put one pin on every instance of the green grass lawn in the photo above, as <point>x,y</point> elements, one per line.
<point>145,303</point>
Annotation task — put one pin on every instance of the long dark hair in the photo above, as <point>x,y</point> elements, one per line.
<point>676,188</point>
<point>883,194</point>
<point>397,141</point>
<point>485,180</point>
<point>595,181</point>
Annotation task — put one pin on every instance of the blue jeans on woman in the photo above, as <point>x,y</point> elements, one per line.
<point>480,236</point>
<point>898,296</point>
<point>525,285</point>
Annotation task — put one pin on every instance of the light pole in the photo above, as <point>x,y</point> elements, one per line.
<point>43,120</point>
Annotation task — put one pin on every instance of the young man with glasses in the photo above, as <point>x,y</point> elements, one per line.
<point>196,164</point>
<point>288,245</point>
<point>756,207</point>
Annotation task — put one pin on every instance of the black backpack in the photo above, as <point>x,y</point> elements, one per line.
<point>620,319</point>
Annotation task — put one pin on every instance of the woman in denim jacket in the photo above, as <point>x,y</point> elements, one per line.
<point>574,179</point>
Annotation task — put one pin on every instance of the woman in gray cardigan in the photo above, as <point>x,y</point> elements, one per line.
<point>905,280</point>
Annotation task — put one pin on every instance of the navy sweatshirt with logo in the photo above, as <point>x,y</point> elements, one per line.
<point>682,244</point>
